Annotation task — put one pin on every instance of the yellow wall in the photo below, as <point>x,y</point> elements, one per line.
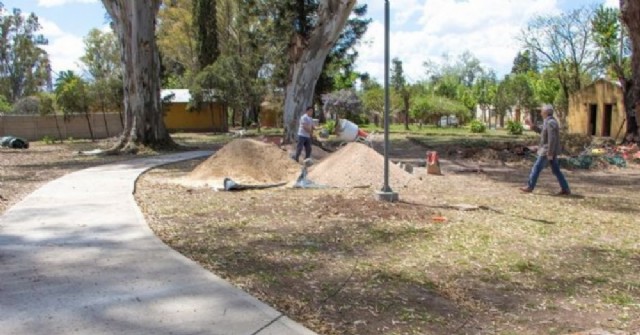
<point>600,93</point>
<point>177,118</point>
<point>269,117</point>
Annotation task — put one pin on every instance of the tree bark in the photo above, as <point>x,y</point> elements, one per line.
<point>308,55</point>
<point>407,102</point>
<point>630,14</point>
<point>86,116</point>
<point>135,23</point>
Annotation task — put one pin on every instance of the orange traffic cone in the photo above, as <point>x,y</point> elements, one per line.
<point>433,163</point>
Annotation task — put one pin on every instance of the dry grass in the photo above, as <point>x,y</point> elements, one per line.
<point>342,263</point>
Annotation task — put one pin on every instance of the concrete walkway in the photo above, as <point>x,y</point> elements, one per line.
<point>77,257</point>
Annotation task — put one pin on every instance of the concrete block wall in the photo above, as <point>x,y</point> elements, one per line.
<point>33,128</point>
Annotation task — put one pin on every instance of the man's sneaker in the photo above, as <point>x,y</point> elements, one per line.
<point>526,189</point>
<point>564,192</point>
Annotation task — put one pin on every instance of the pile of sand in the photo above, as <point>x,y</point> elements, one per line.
<point>247,161</point>
<point>357,165</point>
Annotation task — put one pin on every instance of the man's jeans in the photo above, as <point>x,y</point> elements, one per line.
<point>539,165</point>
<point>303,142</point>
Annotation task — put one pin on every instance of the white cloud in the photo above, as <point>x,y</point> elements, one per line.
<point>53,3</point>
<point>612,3</point>
<point>426,29</point>
<point>64,49</point>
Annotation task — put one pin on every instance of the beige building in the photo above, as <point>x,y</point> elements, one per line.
<point>598,110</point>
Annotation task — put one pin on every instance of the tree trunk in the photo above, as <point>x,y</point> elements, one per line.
<point>308,56</point>
<point>406,113</point>
<point>135,23</point>
<point>86,116</point>
<point>630,14</point>
<point>104,115</point>
<point>58,128</point>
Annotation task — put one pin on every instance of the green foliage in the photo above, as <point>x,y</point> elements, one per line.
<point>71,94</point>
<point>515,90</point>
<point>338,71</point>
<point>330,126</point>
<point>515,127</point>
<point>48,139</point>
<point>477,127</point>
<point>546,87</point>
<point>176,42</point>
<point>525,62</point>
<point>373,100</point>
<point>563,42</point>
<point>430,108</point>
<point>607,32</point>
<point>24,65</point>
<point>47,101</point>
<point>205,21</point>
<point>5,106</point>
<point>401,90</point>
<point>101,55</point>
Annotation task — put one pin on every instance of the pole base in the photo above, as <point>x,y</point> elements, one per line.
<point>387,196</point>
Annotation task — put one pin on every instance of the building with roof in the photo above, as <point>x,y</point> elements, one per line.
<point>210,117</point>
<point>598,110</point>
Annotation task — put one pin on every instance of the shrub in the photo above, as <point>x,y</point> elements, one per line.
<point>48,139</point>
<point>478,127</point>
<point>330,126</point>
<point>515,127</point>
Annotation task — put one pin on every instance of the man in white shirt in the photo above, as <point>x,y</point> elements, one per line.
<point>305,133</point>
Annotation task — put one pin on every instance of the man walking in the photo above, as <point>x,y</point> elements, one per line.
<point>548,151</point>
<point>305,133</point>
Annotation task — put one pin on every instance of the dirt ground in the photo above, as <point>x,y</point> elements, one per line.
<point>461,253</point>
<point>340,262</point>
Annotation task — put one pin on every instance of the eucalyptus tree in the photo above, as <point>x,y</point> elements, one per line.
<point>630,15</point>
<point>312,29</point>
<point>176,38</point>
<point>338,71</point>
<point>102,62</point>
<point>135,24</point>
<point>25,68</point>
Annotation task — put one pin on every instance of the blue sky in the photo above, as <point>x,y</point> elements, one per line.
<point>420,29</point>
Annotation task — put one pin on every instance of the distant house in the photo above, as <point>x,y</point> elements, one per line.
<point>211,116</point>
<point>270,114</point>
<point>597,110</point>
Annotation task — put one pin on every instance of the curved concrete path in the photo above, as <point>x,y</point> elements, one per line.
<point>77,257</point>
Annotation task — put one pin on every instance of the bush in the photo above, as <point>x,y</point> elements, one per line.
<point>330,126</point>
<point>515,127</point>
<point>478,127</point>
<point>48,139</point>
<point>5,106</point>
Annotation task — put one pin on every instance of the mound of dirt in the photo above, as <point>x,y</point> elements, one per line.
<point>247,161</point>
<point>357,165</point>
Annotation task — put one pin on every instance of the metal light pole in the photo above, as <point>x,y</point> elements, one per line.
<point>386,194</point>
